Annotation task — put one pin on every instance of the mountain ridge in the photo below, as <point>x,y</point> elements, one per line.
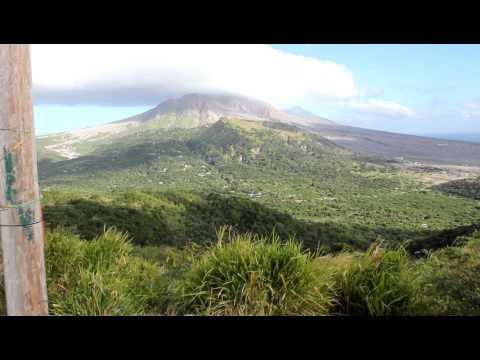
<point>392,146</point>
<point>254,145</point>
<point>188,111</point>
<point>208,108</point>
<point>196,110</point>
<point>299,112</point>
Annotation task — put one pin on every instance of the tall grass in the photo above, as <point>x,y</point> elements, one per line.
<point>243,274</point>
<point>99,277</point>
<point>378,282</point>
<point>450,279</point>
<point>251,275</point>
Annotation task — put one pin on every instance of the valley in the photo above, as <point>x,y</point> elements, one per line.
<point>328,195</point>
<point>392,146</point>
<point>433,175</point>
<point>202,189</point>
<point>240,179</point>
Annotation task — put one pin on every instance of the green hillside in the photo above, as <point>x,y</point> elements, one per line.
<point>468,188</point>
<point>177,186</point>
<point>186,156</point>
<point>250,218</point>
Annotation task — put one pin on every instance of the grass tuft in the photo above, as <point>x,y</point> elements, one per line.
<point>378,282</point>
<point>251,275</point>
<point>99,277</point>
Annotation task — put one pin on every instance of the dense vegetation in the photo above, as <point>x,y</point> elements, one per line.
<point>98,277</point>
<point>178,218</point>
<point>250,275</point>
<point>246,275</point>
<point>468,188</point>
<point>311,228</point>
<point>178,186</point>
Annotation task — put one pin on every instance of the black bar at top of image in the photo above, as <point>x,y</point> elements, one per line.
<point>276,23</point>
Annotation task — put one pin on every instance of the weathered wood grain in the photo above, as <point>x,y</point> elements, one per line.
<point>21,229</point>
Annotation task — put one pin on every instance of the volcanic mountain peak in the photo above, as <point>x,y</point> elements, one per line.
<point>188,111</point>
<point>208,108</point>
<point>201,101</point>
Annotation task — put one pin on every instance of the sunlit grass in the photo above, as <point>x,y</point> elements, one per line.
<point>251,275</point>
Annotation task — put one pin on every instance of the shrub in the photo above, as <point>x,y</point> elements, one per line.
<point>175,262</point>
<point>250,275</point>
<point>378,282</point>
<point>99,277</point>
<point>450,278</point>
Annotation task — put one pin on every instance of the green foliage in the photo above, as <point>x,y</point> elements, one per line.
<point>247,275</point>
<point>469,188</point>
<point>171,189</point>
<point>450,278</point>
<point>176,186</point>
<point>176,218</point>
<point>244,274</point>
<point>378,282</point>
<point>99,277</point>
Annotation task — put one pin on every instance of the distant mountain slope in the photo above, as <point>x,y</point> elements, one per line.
<point>199,109</point>
<point>183,155</point>
<point>300,112</point>
<point>189,111</point>
<point>332,197</point>
<point>194,110</point>
<point>392,145</point>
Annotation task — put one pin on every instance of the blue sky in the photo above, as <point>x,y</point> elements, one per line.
<point>418,89</point>
<point>435,80</point>
<point>58,118</point>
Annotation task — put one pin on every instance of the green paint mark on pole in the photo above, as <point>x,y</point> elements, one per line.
<point>10,192</point>
<point>26,220</point>
<point>26,216</point>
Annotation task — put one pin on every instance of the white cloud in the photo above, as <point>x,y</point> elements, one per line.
<point>372,93</point>
<point>381,108</point>
<point>146,74</point>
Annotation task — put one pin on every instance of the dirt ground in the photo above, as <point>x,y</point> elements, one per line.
<point>431,174</point>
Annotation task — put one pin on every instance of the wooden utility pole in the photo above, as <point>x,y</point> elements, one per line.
<point>21,227</point>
